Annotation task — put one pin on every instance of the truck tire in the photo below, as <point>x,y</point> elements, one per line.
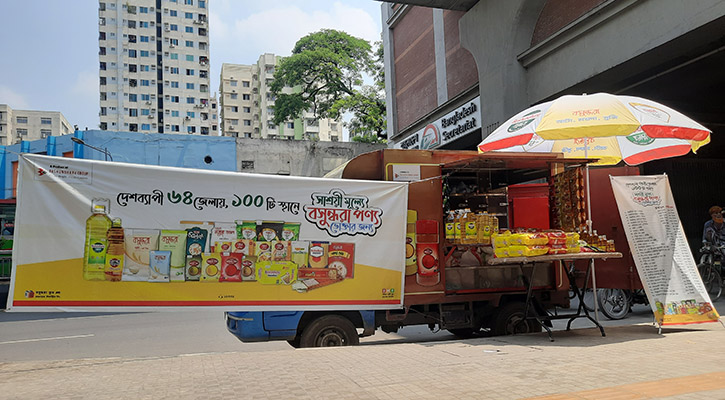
<point>507,320</point>
<point>295,342</point>
<point>328,331</point>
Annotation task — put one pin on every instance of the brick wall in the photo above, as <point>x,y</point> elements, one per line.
<point>414,58</point>
<point>460,65</point>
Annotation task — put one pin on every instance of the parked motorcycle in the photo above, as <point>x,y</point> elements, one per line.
<point>617,303</point>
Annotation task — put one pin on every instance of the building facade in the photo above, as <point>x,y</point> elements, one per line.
<point>247,106</point>
<point>20,125</point>
<point>154,67</point>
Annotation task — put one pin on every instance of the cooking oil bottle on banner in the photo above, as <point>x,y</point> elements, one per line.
<point>96,244</point>
<point>115,251</point>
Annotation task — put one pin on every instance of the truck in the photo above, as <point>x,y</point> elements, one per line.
<point>463,296</point>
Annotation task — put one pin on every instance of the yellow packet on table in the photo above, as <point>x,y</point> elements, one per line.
<point>499,240</point>
<point>501,252</point>
<point>527,251</point>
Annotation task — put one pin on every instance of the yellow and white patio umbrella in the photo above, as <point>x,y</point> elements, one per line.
<point>600,126</point>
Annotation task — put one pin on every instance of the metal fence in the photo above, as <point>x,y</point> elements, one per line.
<point>6,263</point>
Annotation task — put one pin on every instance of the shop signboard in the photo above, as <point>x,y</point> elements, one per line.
<point>660,250</point>
<point>454,125</point>
<point>94,235</point>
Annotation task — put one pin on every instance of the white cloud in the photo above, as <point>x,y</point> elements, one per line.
<point>12,98</point>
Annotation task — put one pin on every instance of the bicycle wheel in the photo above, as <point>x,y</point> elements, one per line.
<point>614,303</point>
<point>712,281</point>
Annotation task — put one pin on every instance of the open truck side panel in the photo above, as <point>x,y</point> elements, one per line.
<point>464,300</point>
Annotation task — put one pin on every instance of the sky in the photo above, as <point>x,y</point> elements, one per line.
<point>49,48</point>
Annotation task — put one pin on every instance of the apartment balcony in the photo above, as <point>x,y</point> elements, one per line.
<point>312,128</point>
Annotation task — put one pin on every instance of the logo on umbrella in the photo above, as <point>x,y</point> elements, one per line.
<point>431,138</point>
<point>640,138</point>
<point>651,111</point>
<point>523,121</point>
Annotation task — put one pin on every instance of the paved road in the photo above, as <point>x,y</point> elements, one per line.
<point>66,336</point>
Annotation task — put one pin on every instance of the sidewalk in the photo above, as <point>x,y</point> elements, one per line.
<point>632,362</point>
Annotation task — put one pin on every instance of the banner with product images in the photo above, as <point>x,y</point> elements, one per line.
<point>93,235</point>
<point>660,250</point>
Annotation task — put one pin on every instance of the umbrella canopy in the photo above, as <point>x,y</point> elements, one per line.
<point>600,126</point>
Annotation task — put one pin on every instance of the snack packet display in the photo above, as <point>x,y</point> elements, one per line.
<point>572,239</point>
<point>341,256</point>
<point>211,264</point>
<point>527,251</point>
<point>556,237</point>
<point>247,230</point>
<point>222,233</point>
<point>263,251</point>
<point>174,241</point>
<point>501,252</point>
<point>249,268</point>
<point>243,246</point>
<point>268,231</point>
<point>281,251</point>
<point>276,272</point>
<point>318,254</point>
<point>231,269</point>
<point>192,269</point>
<point>299,253</point>
<point>499,240</point>
<point>529,239</point>
<point>196,238</point>
<point>291,231</point>
<point>159,264</point>
<point>558,249</point>
<point>138,245</point>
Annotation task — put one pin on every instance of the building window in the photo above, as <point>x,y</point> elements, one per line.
<point>133,112</point>
<point>175,113</point>
<point>174,56</point>
<point>132,53</point>
<point>21,120</point>
<point>202,3</point>
<point>174,70</point>
<point>131,67</point>
<point>144,53</point>
<point>173,42</point>
<point>291,125</point>
<point>143,24</point>
<point>174,27</point>
<point>132,97</point>
<point>174,128</point>
<point>189,72</point>
<point>145,127</point>
<point>174,99</point>
<point>245,96</point>
<point>102,51</point>
<point>189,2</point>
<point>235,109</point>
<point>175,84</point>
<point>247,122</point>
<point>233,96</point>
<point>233,83</point>
<point>144,39</point>
<point>145,97</point>
<point>190,114</point>
<point>144,82</point>
<point>203,73</point>
<point>145,111</point>
<point>22,132</point>
<point>190,86</point>
<point>145,68</point>
<point>132,24</point>
<point>245,83</point>
<point>44,133</point>
<point>189,43</point>
<point>143,10</point>
<point>247,109</point>
<point>190,100</point>
<point>103,65</point>
<point>191,129</point>
<point>189,57</point>
<point>133,127</point>
<point>189,29</point>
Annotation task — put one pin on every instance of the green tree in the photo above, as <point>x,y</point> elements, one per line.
<point>325,72</point>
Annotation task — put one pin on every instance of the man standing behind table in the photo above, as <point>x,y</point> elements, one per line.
<point>714,230</point>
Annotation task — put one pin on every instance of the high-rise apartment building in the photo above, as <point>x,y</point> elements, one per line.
<point>19,125</point>
<point>154,67</point>
<point>246,105</point>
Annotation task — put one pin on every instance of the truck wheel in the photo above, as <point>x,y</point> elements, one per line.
<point>295,342</point>
<point>508,320</point>
<point>328,331</point>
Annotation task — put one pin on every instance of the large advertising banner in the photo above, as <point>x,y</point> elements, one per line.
<point>660,250</point>
<point>94,235</point>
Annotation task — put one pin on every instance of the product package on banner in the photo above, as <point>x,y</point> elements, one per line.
<point>660,250</point>
<point>94,235</point>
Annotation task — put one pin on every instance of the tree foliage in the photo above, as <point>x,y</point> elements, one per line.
<point>325,74</point>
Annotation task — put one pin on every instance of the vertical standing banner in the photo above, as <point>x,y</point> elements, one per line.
<point>660,250</point>
<point>94,235</point>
